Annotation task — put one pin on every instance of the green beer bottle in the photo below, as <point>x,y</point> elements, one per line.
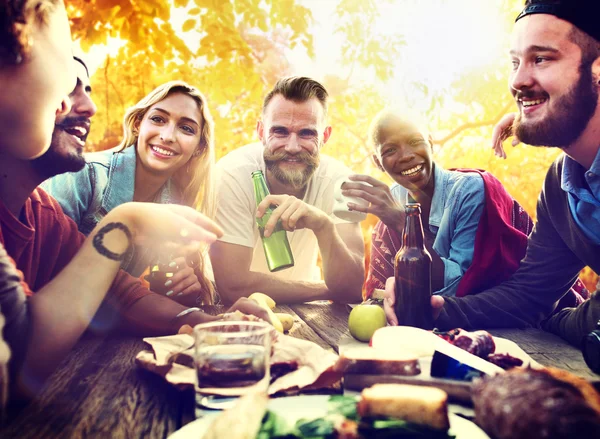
<point>277,247</point>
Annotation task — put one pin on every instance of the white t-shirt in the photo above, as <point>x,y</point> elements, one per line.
<point>236,210</point>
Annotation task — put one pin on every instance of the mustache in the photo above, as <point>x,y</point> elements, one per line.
<point>71,121</point>
<point>278,156</point>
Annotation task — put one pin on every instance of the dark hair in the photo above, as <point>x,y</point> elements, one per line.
<point>16,19</point>
<point>80,61</point>
<point>298,89</point>
<point>590,46</point>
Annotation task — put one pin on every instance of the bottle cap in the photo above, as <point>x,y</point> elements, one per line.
<point>410,208</point>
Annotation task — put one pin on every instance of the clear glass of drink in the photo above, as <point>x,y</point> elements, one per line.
<point>231,359</point>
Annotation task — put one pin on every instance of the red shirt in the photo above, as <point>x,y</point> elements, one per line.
<point>45,240</point>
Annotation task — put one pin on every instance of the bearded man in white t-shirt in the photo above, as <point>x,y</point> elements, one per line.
<point>301,181</point>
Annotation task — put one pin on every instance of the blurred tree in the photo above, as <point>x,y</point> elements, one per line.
<point>241,50</point>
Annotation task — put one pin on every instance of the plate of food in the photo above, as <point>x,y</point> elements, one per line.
<point>382,411</point>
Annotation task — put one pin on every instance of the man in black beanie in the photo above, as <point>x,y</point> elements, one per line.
<point>555,81</point>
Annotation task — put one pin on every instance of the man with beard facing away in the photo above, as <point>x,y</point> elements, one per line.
<point>301,181</point>
<point>555,81</point>
<point>46,248</point>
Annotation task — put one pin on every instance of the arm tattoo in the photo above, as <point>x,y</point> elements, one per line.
<point>98,241</point>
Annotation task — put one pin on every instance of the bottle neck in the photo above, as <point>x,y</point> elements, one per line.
<point>260,187</point>
<point>413,231</point>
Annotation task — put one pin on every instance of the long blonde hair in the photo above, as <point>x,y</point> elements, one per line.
<point>195,179</point>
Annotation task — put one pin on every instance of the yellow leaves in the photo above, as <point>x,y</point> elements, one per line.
<point>194,11</point>
<point>189,25</point>
<point>107,4</point>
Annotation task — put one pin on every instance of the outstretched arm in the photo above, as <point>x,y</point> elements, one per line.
<point>63,308</point>
<point>342,251</point>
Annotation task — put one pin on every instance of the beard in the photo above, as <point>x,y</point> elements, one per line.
<point>565,123</point>
<point>297,179</point>
<point>61,157</point>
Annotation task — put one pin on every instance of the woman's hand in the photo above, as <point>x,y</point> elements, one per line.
<point>180,225</point>
<point>382,203</point>
<point>502,131</point>
<point>184,286</point>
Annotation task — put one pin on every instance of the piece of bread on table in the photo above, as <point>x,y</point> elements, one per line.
<point>242,421</point>
<point>422,405</point>
<point>372,361</point>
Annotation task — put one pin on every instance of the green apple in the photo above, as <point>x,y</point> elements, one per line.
<point>364,320</point>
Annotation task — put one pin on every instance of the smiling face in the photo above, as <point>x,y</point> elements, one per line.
<point>404,152</point>
<point>169,134</point>
<point>70,131</point>
<point>292,134</point>
<point>554,91</point>
<point>35,92</point>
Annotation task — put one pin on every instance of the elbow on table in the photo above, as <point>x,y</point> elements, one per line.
<point>231,290</point>
<point>346,294</point>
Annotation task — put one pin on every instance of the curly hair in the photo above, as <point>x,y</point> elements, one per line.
<point>16,20</point>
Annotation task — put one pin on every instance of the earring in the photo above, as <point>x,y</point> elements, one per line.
<point>197,152</point>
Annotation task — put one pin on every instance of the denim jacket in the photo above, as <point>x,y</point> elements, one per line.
<point>456,207</point>
<point>107,180</point>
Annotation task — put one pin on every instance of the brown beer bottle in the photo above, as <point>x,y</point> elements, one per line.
<point>412,270</point>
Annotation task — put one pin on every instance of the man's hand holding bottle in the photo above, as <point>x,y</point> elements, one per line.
<point>293,213</point>
<point>389,301</point>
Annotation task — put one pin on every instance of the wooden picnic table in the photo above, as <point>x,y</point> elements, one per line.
<point>99,392</point>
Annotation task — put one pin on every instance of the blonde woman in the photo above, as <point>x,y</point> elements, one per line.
<point>166,157</point>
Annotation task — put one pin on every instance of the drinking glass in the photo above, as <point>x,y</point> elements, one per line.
<point>231,359</point>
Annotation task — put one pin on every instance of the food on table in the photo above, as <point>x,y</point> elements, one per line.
<point>364,320</point>
<point>242,421</point>
<point>481,344</point>
<point>287,321</point>
<point>343,421</point>
<point>186,329</point>
<point>267,304</point>
<point>261,296</point>
<point>422,405</point>
<point>528,403</point>
<point>405,339</point>
<point>281,368</point>
<point>368,360</point>
<point>505,361</point>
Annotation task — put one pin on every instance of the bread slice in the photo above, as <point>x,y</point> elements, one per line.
<point>372,361</point>
<point>421,405</point>
<point>242,421</point>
